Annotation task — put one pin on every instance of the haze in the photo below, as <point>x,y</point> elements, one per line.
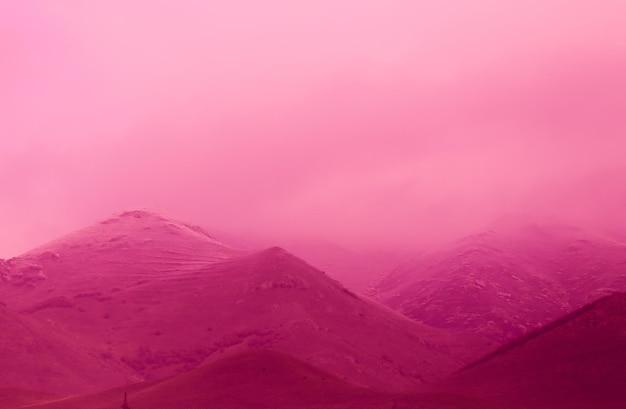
<point>367,123</point>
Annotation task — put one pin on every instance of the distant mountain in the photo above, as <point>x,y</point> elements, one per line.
<point>39,355</point>
<point>576,362</point>
<point>261,379</point>
<point>506,282</point>
<point>165,297</point>
<point>356,270</point>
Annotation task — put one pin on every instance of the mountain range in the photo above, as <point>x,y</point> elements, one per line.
<point>162,297</point>
<point>146,305</point>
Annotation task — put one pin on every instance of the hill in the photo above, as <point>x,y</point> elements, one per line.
<point>261,379</point>
<point>165,297</point>
<point>40,356</point>
<point>506,282</point>
<point>576,362</point>
<point>16,398</point>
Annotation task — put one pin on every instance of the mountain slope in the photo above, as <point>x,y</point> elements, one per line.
<point>130,246</point>
<point>40,356</point>
<point>261,379</point>
<point>166,298</point>
<point>576,362</point>
<point>15,398</point>
<point>506,282</point>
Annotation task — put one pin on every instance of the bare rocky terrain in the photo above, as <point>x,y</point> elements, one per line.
<point>163,297</point>
<point>506,282</point>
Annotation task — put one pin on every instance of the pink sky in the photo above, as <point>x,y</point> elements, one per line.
<point>362,122</point>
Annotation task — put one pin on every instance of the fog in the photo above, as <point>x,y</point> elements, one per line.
<point>367,123</point>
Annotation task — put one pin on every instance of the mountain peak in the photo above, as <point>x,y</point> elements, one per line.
<point>155,215</point>
<point>131,229</point>
<point>126,246</point>
<point>147,213</point>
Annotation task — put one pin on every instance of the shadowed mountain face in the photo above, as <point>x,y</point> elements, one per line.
<point>505,283</point>
<point>261,379</point>
<point>164,297</point>
<point>576,362</point>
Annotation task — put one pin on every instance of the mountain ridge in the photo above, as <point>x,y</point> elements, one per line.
<point>575,362</point>
<point>169,299</point>
<point>504,283</point>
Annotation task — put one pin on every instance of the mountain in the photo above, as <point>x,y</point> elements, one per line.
<point>356,270</point>
<point>165,297</point>
<point>132,245</point>
<point>576,362</point>
<point>38,355</point>
<point>508,281</point>
<point>16,398</point>
<point>260,379</point>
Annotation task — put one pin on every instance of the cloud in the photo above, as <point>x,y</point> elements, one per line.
<point>374,122</point>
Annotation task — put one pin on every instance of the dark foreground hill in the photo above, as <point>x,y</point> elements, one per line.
<point>17,398</point>
<point>260,379</point>
<point>577,362</point>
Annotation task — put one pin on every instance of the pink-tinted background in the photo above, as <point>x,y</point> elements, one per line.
<point>386,123</point>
